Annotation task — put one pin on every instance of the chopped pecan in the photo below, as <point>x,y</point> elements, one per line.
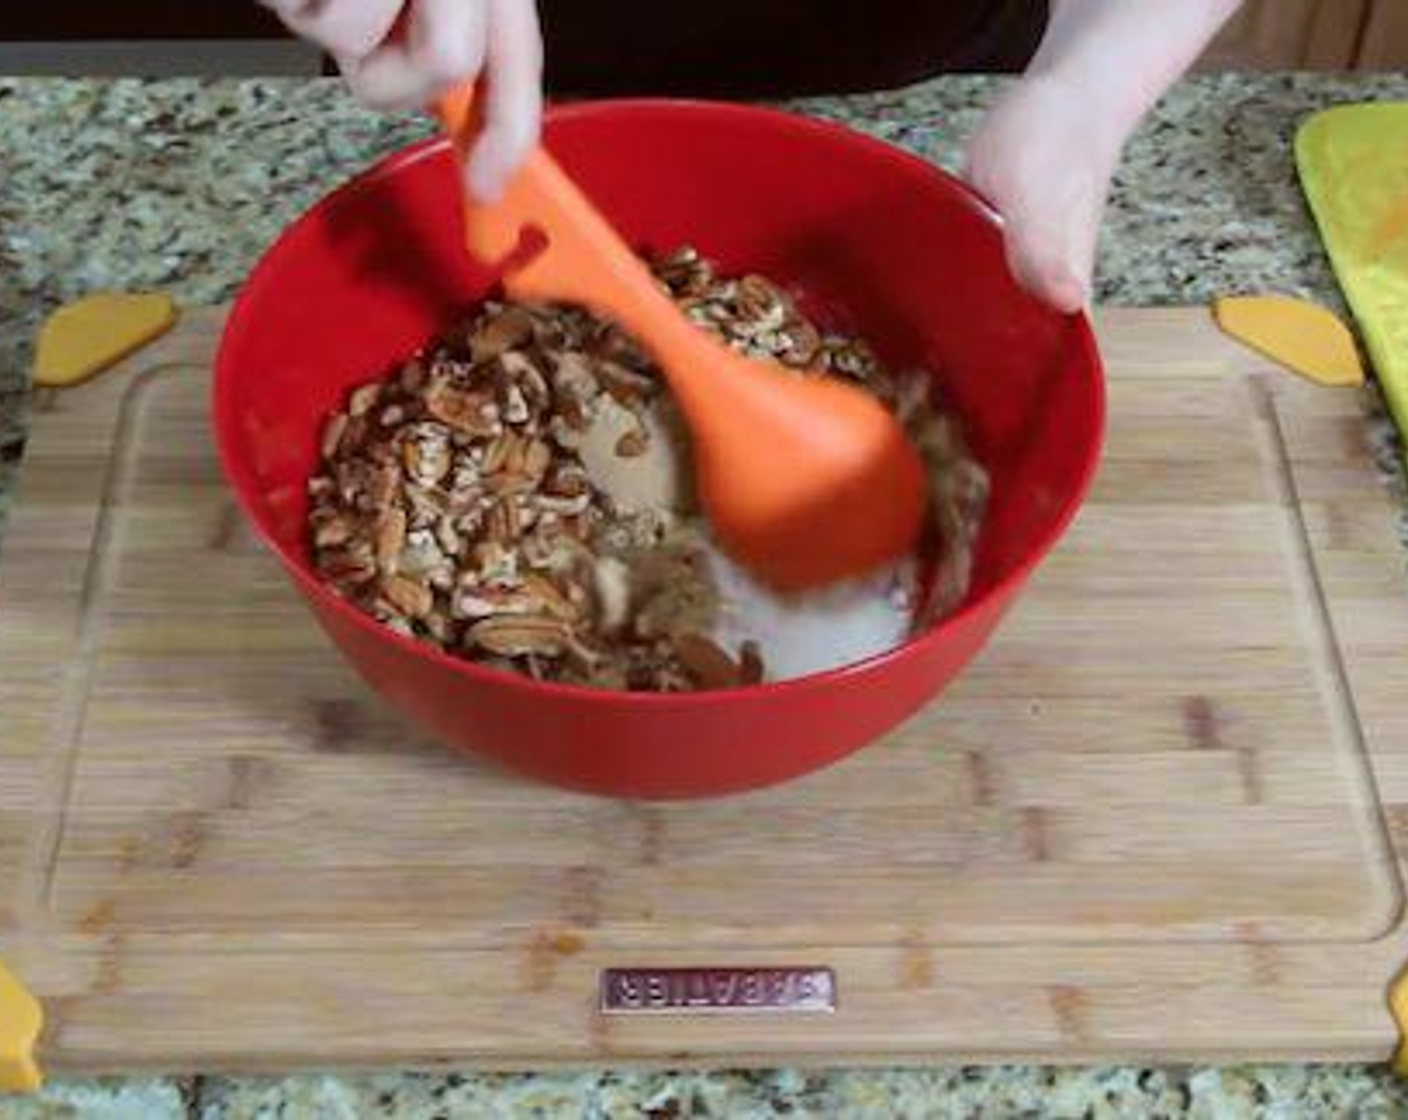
<point>411,598</point>
<point>478,499</point>
<point>501,330</point>
<point>633,444</point>
<point>702,658</point>
<point>512,636</point>
<point>364,399</point>
<point>468,412</point>
<point>390,538</point>
<point>333,432</point>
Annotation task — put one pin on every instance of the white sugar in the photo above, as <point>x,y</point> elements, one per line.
<point>816,630</point>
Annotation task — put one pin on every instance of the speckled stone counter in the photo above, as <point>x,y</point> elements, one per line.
<point>177,185</point>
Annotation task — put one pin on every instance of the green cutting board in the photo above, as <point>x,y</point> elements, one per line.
<point>1353,162</point>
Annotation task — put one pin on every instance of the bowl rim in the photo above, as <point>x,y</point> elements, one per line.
<point>241,480</point>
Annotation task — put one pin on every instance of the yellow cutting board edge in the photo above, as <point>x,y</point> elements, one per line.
<point>87,336</point>
<point>1302,336</point>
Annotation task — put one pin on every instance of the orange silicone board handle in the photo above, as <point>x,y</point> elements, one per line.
<point>21,1019</point>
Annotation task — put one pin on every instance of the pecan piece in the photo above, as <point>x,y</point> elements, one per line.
<point>333,431</point>
<point>364,399</point>
<point>521,637</point>
<point>550,598</point>
<point>633,444</point>
<point>494,602</point>
<point>390,538</point>
<point>705,661</point>
<point>468,412</point>
<point>426,456</point>
<point>507,329</point>
<point>413,599</point>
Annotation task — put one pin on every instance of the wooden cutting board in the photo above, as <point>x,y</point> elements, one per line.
<point>1161,818</point>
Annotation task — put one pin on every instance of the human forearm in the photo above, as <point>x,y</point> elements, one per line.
<point>1045,154</point>
<point>1121,56</point>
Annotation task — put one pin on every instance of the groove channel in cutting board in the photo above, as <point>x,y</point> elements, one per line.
<point>1171,774</point>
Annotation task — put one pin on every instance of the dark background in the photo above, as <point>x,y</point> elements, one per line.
<point>135,19</point>
<point>717,47</point>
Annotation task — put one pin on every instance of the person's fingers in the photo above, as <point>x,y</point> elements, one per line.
<point>1051,217</point>
<point>513,98</point>
<point>443,43</point>
<point>385,79</point>
<point>1048,254</point>
<point>448,39</point>
<point>344,28</point>
<point>1050,240</point>
<point>1044,271</point>
<point>1045,163</point>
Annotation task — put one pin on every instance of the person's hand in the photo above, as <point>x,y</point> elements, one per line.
<point>1045,161</point>
<point>398,54</point>
<point>1045,155</point>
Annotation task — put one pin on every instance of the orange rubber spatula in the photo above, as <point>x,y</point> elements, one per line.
<point>806,480</point>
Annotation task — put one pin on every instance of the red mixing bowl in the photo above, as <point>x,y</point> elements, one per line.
<point>877,240</point>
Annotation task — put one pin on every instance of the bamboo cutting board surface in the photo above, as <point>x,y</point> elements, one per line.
<point>1160,818</point>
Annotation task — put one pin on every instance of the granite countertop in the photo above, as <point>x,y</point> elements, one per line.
<point>177,185</point>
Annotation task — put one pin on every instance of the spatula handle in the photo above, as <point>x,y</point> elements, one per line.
<point>585,261</point>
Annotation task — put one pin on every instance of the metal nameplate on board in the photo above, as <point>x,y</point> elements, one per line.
<point>717,991</point>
